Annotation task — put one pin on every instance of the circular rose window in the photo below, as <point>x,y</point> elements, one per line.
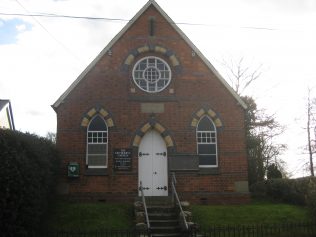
<point>151,74</point>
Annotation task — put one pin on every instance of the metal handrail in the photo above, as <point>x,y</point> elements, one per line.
<point>175,194</point>
<point>144,203</point>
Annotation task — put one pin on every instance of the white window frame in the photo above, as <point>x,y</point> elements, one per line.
<point>149,66</point>
<point>210,132</point>
<point>89,143</point>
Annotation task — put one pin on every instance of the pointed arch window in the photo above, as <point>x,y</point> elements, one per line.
<point>206,143</point>
<point>97,143</point>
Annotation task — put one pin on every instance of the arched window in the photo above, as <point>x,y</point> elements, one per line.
<point>97,143</point>
<point>206,143</point>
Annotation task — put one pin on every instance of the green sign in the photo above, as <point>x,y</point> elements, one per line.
<point>73,169</point>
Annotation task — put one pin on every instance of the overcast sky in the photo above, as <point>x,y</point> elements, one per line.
<point>41,56</point>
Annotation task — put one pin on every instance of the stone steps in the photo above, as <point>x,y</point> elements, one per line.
<point>163,217</point>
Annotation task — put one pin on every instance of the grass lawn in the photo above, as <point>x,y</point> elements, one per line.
<point>89,216</point>
<point>96,216</point>
<point>254,213</point>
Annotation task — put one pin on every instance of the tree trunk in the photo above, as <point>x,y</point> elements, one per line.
<point>309,136</point>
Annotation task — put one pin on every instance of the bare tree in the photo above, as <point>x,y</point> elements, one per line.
<point>261,129</point>
<point>241,76</point>
<point>51,136</point>
<point>311,143</point>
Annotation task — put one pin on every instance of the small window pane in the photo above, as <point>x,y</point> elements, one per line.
<point>97,124</point>
<point>207,159</point>
<point>97,160</point>
<point>207,148</point>
<point>206,125</point>
<point>97,149</point>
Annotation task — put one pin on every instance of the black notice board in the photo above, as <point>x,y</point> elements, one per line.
<point>122,159</point>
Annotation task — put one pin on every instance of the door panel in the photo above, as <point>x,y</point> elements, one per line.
<point>152,164</point>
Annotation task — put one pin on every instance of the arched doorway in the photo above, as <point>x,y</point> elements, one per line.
<point>153,164</point>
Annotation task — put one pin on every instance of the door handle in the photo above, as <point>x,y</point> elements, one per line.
<point>155,172</point>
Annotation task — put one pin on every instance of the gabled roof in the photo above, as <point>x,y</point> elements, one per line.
<point>125,28</point>
<point>6,104</point>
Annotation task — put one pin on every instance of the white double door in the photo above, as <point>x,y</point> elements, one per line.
<point>152,165</point>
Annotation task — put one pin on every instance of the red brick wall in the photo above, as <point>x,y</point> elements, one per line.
<point>108,85</point>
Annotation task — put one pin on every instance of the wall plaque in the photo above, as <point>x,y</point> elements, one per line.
<point>122,159</point>
<point>152,108</point>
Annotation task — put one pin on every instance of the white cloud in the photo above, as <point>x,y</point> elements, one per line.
<point>21,27</point>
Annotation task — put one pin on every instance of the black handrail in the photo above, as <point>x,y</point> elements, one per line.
<point>144,203</point>
<point>175,195</point>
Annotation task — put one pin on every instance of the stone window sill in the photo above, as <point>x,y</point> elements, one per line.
<point>96,172</point>
<point>209,171</point>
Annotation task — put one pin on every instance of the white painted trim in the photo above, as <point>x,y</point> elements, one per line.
<point>125,28</point>
<point>96,167</point>
<point>156,58</point>
<point>107,144</point>
<point>216,143</point>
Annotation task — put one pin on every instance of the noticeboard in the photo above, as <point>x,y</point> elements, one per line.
<point>122,159</point>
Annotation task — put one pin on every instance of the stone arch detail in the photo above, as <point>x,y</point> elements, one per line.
<point>153,124</point>
<point>175,63</point>
<point>97,111</point>
<point>206,112</point>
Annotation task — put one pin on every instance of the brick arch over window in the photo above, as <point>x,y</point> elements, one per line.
<point>175,63</point>
<point>153,124</point>
<point>97,111</point>
<point>206,112</point>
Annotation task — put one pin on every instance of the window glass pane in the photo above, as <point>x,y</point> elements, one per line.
<point>160,84</point>
<point>142,66</point>
<point>96,149</point>
<point>151,87</point>
<point>97,160</point>
<point>142,83</point>
<point>138,74</point>
<point>207,148</point>
<point>206,125</point>
<point>207,159</point>
<point>97,124</point>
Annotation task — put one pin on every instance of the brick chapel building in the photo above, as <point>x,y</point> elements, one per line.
<point>148,105</point>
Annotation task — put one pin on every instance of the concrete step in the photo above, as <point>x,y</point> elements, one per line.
<point>165,229</point>
<point>166,235</point>
<point>162,216</point>
<point>161,223</point>
<point>161,209</point>
<point>165,200</point>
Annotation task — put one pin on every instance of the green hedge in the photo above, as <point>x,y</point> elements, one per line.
<point>293,191</point>
<point>301,191</point>
<point>28,171</point>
